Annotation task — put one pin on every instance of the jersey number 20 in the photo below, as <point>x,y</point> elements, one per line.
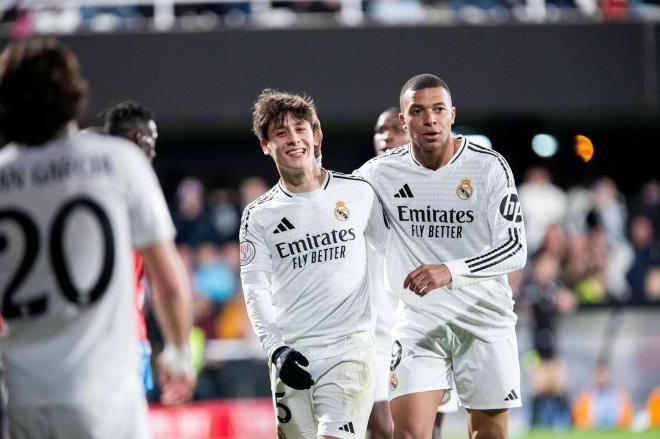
<point>36,306</point>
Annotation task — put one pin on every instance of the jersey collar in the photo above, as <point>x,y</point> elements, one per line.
<point>453,159</point>
<point>324,185</point>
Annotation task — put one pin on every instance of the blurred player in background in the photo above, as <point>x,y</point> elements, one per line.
<point>456,231</point>
<point>389,133</point>
<point>135,122</point>
<point>71,209</point>
<point>304,274</point>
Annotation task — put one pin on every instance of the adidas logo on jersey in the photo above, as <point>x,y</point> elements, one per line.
<point>283,226</point>
<point>512,396</point>
<point>404,192</point>
<point>347,428</point>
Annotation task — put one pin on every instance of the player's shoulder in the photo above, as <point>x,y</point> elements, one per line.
<point>342,178</point>
<point>480,152</point>
<point>391,156</point>
<point>350,182</point>
<point>489,157</point>
<point>261,202</point>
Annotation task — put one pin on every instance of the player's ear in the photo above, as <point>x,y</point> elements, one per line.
<point>318,137</point>
<point>403,121</point>
<point>453,115</point>
<point>264,146</point>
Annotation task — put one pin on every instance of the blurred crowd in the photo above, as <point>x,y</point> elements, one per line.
<point>588,247</point>
<point>22,17</point>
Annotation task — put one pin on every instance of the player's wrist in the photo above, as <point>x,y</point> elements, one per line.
<point>276,354</point>
<point>177,359</point>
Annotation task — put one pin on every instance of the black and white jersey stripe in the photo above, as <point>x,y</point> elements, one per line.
<point>497,255</point>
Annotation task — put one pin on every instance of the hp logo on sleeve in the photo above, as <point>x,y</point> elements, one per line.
<point>510,208</point>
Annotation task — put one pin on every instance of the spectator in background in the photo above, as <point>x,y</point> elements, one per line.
<point>605,406</point>
<point>191,215</point>
<point>652,285</point>
<point>612,214</point>
<point>225,214</point>
<point>548,299</point>
<point>250,189</point>
<point>587,264</point>
<point>653,408</point>
<point>647,256</point>
<point>543,204</point>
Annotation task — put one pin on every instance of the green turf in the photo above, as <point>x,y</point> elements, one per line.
<point>579,434</point>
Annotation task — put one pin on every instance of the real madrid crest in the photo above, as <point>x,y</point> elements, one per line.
<point>341,211</point>
<point>394,382</point>
<point>464,190</point>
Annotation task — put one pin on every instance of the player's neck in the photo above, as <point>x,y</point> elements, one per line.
<point>437,158</point>
<point>305,180</point>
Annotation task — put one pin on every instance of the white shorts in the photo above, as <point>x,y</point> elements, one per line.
<point>486,375</point>
<point>128,420</point>
<point>339,402</point>
<point>382,370</point>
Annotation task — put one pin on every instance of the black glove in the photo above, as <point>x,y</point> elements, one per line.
<point>286,361</point>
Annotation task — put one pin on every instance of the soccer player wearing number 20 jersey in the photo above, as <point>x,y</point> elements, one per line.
<point>304,274</point>
<point>72,208</point>
<point>457,231</point>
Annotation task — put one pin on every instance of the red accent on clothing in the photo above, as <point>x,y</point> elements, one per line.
<point>138,265</point>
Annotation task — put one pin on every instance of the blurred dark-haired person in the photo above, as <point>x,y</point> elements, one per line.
<point>135,122</point>
<point>304,274</point>
<point>389,133</point>
<point>72,208</point>
<point>457,230</point>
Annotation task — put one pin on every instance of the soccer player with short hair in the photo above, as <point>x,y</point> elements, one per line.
<point>136,123</point>
<point>389,133</point>
<point>304,274</point>
<point>457,231</point>
<point>71,209</point>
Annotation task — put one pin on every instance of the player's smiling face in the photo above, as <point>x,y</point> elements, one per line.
<point>428,116</point>
<point>291,144</point>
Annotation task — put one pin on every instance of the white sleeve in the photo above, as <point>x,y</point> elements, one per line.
<point>508,248</point>
<point>256,289</point>
<point>149,217</point>
<point>378,226</point>
<point>256,271</point>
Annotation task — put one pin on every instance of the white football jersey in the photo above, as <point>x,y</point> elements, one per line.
<point>312,248</point>
<point>70,213</point>
<point>466,215</point>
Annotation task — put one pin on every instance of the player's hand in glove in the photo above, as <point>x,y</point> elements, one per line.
<point>288,361</point>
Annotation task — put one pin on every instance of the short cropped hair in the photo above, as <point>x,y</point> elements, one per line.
<point>272,106</point>
<point>125,118</point>
<point>41,90</point>
<point>425,80</point>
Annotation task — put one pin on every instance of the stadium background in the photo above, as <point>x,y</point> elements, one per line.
<point>593,75</point>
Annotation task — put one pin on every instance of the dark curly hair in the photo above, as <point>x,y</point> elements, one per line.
<point>41,90</point>
<point>272,106</point>
<point>125,117</point>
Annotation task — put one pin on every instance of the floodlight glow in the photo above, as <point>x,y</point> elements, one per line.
<point>584,148</point>
<point>544,145</point>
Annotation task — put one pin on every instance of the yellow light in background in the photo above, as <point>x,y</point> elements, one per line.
<point>584,148</point>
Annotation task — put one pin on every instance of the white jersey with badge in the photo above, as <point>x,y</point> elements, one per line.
<point>70,212</point>
<point>466,215</point>
<point>310,251</point>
